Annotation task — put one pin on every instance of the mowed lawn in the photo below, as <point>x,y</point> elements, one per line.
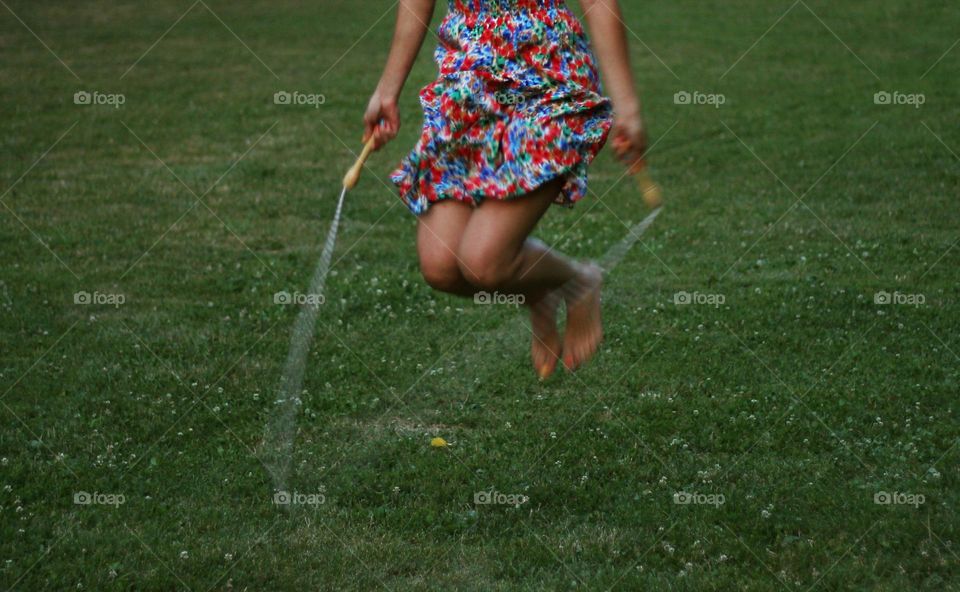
<point>774,407</point>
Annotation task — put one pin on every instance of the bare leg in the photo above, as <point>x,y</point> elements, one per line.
<point>496,254</point>
<point>438,236</point>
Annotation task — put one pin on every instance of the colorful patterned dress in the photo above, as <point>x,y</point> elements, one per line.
<point>518,103</point>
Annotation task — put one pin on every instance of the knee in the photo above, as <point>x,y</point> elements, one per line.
<point>485,268</point>
<point>441,272</point>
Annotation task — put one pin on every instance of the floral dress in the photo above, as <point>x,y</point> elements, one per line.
<point>518,103</point>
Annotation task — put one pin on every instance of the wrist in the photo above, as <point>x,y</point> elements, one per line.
<point>627,107</point>
<point>389,93</point>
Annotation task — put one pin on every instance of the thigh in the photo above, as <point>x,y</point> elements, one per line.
<point>439,230</point>
<point>501,226</point>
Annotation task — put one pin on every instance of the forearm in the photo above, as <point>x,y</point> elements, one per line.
<point>608,36</point>
<point>413,20</point>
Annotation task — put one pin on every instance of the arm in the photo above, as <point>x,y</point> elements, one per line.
<point>382,117</point>
<point>608,36</point>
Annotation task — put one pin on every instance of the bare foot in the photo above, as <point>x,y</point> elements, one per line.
<point>545,347</point>
<point>584,328</point>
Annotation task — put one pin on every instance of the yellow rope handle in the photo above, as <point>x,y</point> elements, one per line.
<point>652,195</point>
<point>353,175</point>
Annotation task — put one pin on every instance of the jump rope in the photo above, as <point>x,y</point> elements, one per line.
<point>279,435</point>
<point>278,440</point>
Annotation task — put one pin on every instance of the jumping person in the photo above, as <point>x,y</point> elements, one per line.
<point>510,126</point>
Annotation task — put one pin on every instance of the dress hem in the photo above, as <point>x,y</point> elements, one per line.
<point>573,190</point>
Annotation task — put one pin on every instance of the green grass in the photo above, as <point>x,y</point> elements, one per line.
<point>798,399</point>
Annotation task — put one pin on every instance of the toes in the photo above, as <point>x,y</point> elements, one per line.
<point>545,370</point>
<point>546,343</point>
<point>545,365</point>
<point>574,360</point>
<point>544,353</point>
<point>571,356</point>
